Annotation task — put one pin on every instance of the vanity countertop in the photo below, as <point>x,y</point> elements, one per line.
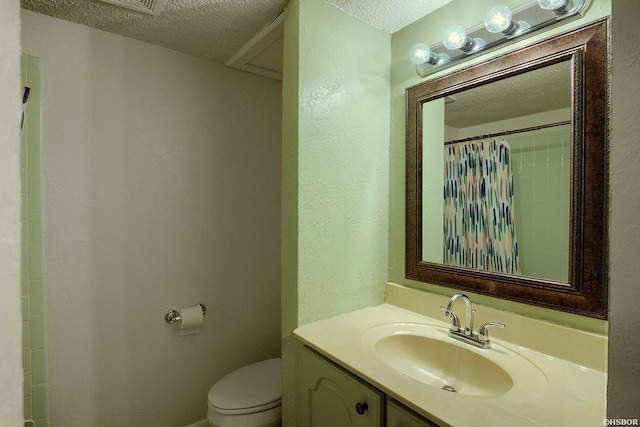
<point>574,396</point>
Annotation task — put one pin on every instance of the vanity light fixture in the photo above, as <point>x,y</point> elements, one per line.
<point>501,26</point>
<point>456,38</point>
<point>500,20</point>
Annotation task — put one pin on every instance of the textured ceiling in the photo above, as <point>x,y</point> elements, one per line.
<point>220,29</point>
<point>213,29</point>
<point>389,15</point>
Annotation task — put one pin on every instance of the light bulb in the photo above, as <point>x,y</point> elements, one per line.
<point>498,19</point>
<point>420,53</point>
<point>561,7</point>
<point>455,38</point>
<point>553,4</point>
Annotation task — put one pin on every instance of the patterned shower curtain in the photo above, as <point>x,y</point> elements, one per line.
<point>479,231</point>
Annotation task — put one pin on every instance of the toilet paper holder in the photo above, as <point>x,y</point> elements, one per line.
<point>173,315</point>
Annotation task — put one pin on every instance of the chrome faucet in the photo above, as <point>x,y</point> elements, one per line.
<point>469,312</point>
<point>480,339</point>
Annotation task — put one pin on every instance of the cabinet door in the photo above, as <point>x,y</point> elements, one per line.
<point>332,397</point>
<point>399,416</point>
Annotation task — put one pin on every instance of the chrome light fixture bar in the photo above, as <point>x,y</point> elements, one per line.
<point>501,26</point>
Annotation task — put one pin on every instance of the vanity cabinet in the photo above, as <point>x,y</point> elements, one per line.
<point>331,396</point>
<point>398,416</point>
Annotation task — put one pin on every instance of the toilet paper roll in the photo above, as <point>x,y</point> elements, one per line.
<point>190,320</point>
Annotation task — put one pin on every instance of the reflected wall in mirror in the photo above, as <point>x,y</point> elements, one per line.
<point>507,175</point>
<point>522,226</point>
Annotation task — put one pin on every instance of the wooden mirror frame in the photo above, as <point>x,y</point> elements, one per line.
<point>586,291</point>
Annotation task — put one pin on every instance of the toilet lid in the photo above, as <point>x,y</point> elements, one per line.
<point>256,387</point>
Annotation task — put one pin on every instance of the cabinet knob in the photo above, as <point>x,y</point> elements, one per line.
<point>361,408</point>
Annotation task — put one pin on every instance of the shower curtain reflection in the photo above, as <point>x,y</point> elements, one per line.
<point>479,228</point>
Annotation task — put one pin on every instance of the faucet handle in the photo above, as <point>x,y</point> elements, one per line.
<point>455,324</point>
<point>483,333</point>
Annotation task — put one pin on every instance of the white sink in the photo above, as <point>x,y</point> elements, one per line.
<point>426,353</point>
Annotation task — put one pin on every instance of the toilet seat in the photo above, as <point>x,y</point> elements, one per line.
<point>251,389</point>
<point>242,411</point>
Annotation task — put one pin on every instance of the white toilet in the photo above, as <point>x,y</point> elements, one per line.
<point>248,397</point>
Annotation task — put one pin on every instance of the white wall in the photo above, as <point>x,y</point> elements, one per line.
<point>162,190</point>
<point>624,290</point>
<point>10,327</point>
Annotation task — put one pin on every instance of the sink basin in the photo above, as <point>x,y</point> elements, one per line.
<point>427,354</point>
<point>444,365</point>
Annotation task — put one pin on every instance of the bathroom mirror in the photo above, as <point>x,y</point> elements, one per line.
<point>506,175</point>
<point>536,166</point>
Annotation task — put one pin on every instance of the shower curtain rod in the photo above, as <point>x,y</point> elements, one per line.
<point>508,132</point>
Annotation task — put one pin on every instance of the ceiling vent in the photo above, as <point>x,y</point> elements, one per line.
<point>152,7</point>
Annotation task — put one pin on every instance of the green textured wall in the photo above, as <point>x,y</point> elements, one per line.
<point>343,119</point>
<point>335,161</point>
<point>289,233</point>
<point>429,30</point>
<point>289,226</point>
<point>623,394</point>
